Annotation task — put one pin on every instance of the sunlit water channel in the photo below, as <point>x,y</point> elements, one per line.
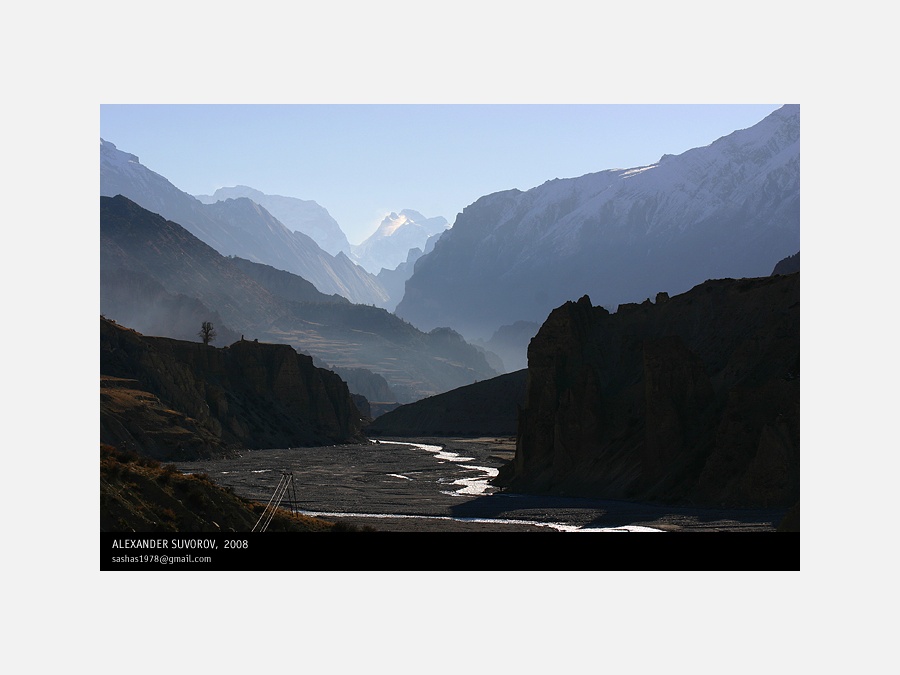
<point>476,485</point>
<point>401,485</point>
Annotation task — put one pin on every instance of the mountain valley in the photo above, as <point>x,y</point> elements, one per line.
<point>618,350</point>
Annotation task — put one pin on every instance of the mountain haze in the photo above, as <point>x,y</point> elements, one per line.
<point>165,261</point>
<point>398,233</point>
<point>729,209</point>
<point>238,227</point>
<point>298,215</point>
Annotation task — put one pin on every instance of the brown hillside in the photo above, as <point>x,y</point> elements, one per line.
<point>141,495</point>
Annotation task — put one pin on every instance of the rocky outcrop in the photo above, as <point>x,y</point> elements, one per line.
<point>788,265</point>
<point>247,395</point>
<point>694,398</point>
<point>366,383</point>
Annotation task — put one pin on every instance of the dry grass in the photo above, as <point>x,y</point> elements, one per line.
<point>139,494</point>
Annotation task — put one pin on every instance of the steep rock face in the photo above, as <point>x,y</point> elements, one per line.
<point>788,265</point>
<point>694,398</point>
<point>247,395</point>
<point>394,280</point>
<point>366,383</point>
<point>730,209</point>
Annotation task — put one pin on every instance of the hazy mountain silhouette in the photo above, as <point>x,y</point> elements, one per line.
<point>398,233</point>
<point>298,215</point>
<point>487,408</point>
<point>238,227</point>
<point>510,343</point>
<point>260,303</point>
<point>788,265</point>
<point>284,284</point>
<point>394,281</point>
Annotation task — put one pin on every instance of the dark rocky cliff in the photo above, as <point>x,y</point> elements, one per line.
<point>788,265</point>
<point>485,408</point>
<point>694,398</point>
<point>207,400</point>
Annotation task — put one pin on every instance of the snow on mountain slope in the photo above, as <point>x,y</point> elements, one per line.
<point>390,244</point>
<point>729,209</point>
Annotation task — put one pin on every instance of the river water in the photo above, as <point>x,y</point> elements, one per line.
<point>439,485</point>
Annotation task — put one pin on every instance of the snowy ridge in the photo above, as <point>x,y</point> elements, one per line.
<point>730,208</point>
<point>396,236</point>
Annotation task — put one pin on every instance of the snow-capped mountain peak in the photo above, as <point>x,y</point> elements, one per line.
<point>391,224</point>
<point>396,235</point>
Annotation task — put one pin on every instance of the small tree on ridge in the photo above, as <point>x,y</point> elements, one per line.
<point>207,332</point>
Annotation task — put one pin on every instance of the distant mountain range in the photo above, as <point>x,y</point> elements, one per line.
<point>510,343</point>
<point>175,281</point>
<point>299,215</point>
<point>396,236</point>
<point>689,399</point>
<point>394,280</point>
<point>239,227</point>
<point>730,209</point>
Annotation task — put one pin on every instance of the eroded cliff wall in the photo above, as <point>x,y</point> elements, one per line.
<point>694,398</point>
<point>247,395</point>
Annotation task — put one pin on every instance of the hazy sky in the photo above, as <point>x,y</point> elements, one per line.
<point>363,161</point>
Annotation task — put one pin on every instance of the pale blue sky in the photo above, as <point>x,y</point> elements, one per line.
<point>362,161</point>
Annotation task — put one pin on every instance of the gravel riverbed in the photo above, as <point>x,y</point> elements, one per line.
<point>440,485</point>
